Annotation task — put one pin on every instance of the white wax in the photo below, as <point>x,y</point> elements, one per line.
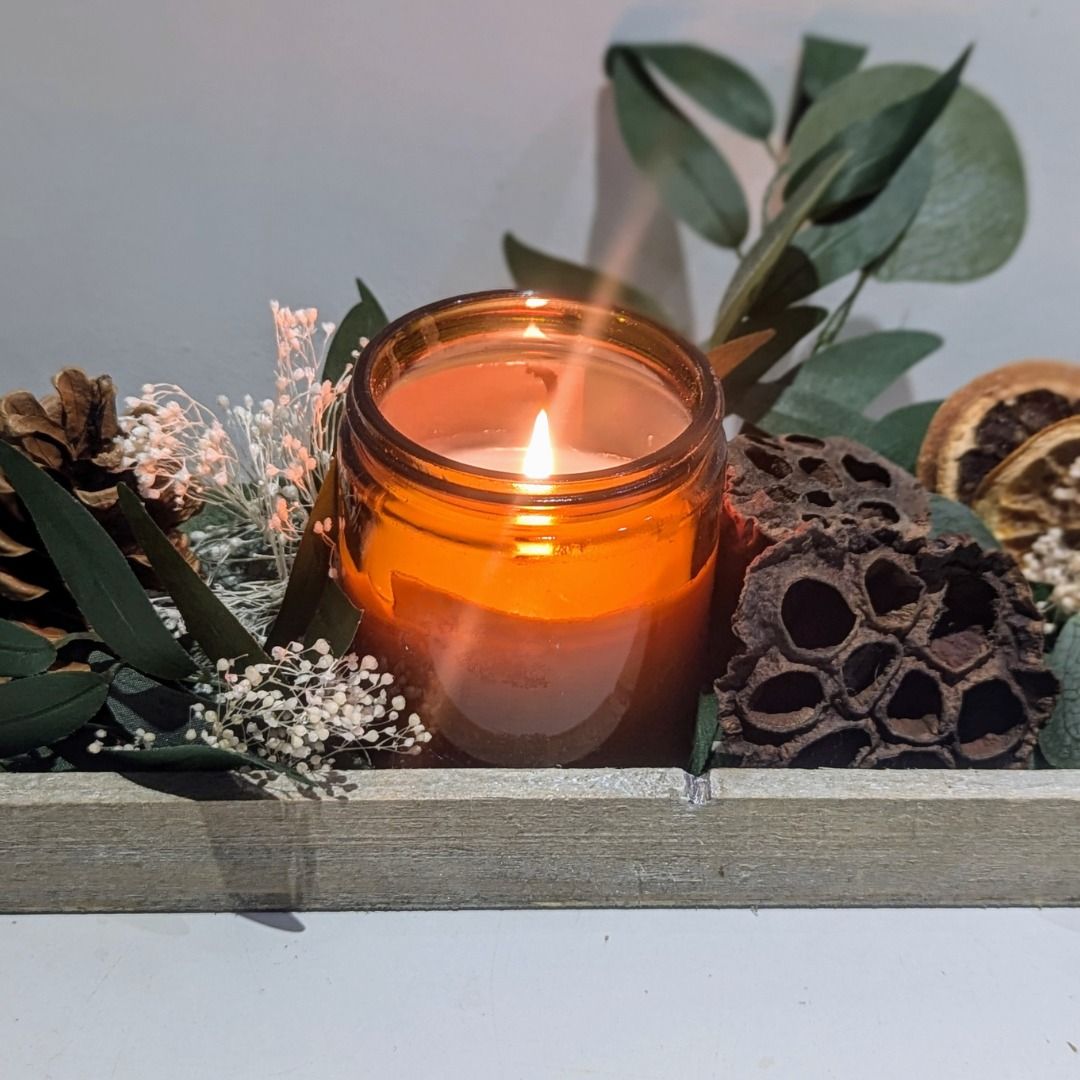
<point>509,459</point>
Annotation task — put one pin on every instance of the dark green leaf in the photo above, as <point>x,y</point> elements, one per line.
<point>334,619</point>
<point>95,572</point>
<point>43,708</point>
<point>800,412</point>
<point>695,182</point>
<point>826,61</point>
<point>827,393</point>
<point>532,269</point>
<point>755,269</point>
<point>310,570</point>
<point>208,620</point>
<point>948,517</point>
<point>973,215</point>
<point>744,392</point>
<point>704,734</point>
<point>364,320</point>
<point>854,372</point>
<point>717,84</point>
<point>1060,739</point>
<point>878,144</point>
<point>43,760</point>
<point>1041,592</point>
<point>899,435</point>
<point>22,652</point>
<point>136,701</point>
<point>821,254</point>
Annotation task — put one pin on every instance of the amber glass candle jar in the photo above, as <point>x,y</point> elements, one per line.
<point>530,490</point>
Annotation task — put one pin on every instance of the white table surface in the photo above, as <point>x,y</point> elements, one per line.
<point>867,995</point>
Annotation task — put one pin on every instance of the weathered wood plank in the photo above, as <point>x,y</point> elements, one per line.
<point>494,838</point>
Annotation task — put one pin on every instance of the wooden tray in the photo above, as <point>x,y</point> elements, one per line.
<point>543,838</point>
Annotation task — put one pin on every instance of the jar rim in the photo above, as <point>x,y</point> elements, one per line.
<point>430,468</point>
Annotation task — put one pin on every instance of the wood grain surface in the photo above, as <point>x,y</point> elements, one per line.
<point>543,838</point>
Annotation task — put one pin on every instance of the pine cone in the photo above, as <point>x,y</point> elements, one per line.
<point>876,649</point>
<point>72,436</point>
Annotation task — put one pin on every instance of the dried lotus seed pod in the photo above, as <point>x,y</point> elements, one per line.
<point>777,487</point>
<point>878,650</point>
<point>984,421</point>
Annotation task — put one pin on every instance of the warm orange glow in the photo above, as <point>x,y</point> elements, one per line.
<point>539,461</point>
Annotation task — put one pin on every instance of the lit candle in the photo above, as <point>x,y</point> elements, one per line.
<point>530,491</point>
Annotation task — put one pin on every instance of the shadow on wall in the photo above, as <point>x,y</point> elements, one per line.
<point>632,236</point>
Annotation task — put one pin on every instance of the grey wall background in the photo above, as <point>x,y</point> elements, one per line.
<point>167,169</point>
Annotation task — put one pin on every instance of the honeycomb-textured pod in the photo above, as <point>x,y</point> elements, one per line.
<point>775,486</point>
<point>779,487</point>
<point>876,649</point>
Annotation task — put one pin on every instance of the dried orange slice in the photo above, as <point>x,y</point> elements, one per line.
<point>1035,489</point>
<point>982,423</point>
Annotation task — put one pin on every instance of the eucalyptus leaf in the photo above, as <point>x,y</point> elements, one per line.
<point>1059,741</point>
<point>821,254</point>
<point>974,212</point>
<point>717,84</point>
<point>705,729</point>
<point>38,710</point>
<point>95,572</point>
<point>136,701</point>
<point>335,619</point>
<point>948,517</point>
<point>899,435</point>
<point>208,620</point>
<point>310,570</point>
<point>693,178</point>
<point>22,652</point>
<point>854,372</point>
<point>823,62</point>
<point>754,270</point>
<point>532,269</point>
<point>878,144</point>
<point>364,320</point>
<point>826,61</point>
<point>801,412</point>
<point>744,391</point>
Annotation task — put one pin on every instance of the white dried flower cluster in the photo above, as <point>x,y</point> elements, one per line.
<point>254,603</point>
<point>141,740</point>
<point>306,708</point>
<point>1052,561</point>
<point>264,462</point>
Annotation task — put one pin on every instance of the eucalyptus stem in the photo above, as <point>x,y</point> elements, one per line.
<point>835,322</point>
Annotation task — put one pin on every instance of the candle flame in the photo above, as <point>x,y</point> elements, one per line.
<point>539,462</point>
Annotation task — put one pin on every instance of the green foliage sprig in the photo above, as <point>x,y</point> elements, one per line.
<point>891,172</point>
<point>129,675</point>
